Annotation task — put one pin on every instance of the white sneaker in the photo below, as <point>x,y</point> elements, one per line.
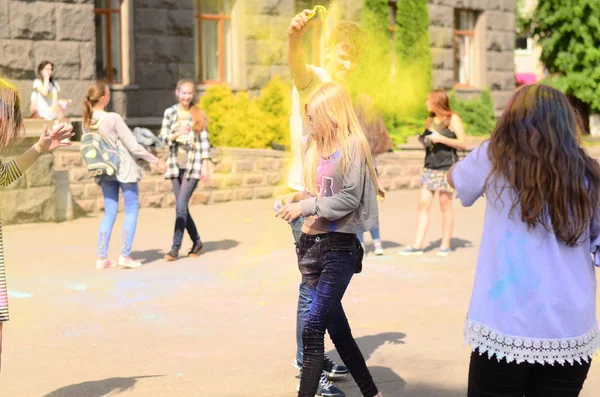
<point>378,247</point>
<point>127,261</point>
<point>105,264</point>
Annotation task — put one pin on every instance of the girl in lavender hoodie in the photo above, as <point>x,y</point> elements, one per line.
<point>532,319</point>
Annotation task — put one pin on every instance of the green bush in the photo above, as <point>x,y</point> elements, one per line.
<point>399,82</point>
<point>477,114</point>
<point>402,128</point>
<point>236,120</point>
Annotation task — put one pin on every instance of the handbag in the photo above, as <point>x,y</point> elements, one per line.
<point>359,257</point>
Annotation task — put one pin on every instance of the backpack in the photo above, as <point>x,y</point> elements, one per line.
<point>100,156</point>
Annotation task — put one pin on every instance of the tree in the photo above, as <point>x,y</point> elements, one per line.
<point>569,34</point>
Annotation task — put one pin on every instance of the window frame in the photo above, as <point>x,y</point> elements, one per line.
<point>464,33</point>
<point>107,14</point>
<point>221,17</point>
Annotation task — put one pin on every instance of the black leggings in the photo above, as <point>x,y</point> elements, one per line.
<point>489,377</point>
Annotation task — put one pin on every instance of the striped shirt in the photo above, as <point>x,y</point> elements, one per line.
<point>198,151</point>
<point>9,172</point>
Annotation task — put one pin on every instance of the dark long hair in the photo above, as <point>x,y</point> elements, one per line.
<point>440,107</point>
<point>536,148</point>
<point>41,67</point>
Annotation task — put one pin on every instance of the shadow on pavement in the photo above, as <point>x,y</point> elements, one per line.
<point>385,244</point>
<point>153,255</point>
<point>455,243</point>
<point>99,388</point>
<point>222,245</point>
<point>148,256</point>
<point>369,343</point>
<point>389,382</point>
<point>420,390</point>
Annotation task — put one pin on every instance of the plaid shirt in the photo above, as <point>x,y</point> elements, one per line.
<point>198,151</point>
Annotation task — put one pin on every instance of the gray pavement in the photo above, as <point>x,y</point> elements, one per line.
<point>223,324</point>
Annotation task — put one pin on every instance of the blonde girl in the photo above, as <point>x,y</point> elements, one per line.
<point>340,200</point>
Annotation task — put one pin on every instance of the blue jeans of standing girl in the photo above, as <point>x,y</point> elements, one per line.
<point>110,190</point>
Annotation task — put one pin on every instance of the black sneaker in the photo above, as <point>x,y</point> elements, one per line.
<point>195,251</point>
<point>334,370</point>
<point>172,255</point>
<point>326,389</point>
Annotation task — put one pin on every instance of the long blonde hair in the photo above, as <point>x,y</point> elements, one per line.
<point>95,92</point>
<point>11,120</point>
<point>199,118</point>
<point>333,122</point>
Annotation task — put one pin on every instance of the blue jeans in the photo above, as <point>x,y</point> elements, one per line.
<point>110,191</point>
<point>304,297</point>
<point>183,189</point>
<point>327,263</point>
<point>374,235</point>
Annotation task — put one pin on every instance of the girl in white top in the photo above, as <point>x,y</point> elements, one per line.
<point>44,99</point>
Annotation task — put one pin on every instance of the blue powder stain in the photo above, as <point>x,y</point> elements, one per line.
<point>76,286</point>
<point>17,294</point>
<point>130,284</point>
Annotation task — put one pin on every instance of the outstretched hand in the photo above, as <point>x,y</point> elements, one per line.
<point>298,25</point>
<point>51,140</point>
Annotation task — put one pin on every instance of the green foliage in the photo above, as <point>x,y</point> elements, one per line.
<point>569,33</point>
<point>400,81</point>
<point>236,120</point>
<point>412,41</point>
<point>402,128</point>
<point>477,114</point>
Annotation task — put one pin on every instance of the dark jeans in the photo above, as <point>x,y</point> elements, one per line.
<point>489,377</point>
<point>183,189</point>
<point>304,297</point>
<point>327,262</point>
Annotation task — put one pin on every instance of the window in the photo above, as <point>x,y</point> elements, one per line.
<point>464,47</point>
<point>314,41</point>
<point>523,44</point>
<point>107,15</point>
<point>214,38</point>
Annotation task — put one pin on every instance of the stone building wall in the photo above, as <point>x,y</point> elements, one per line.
<point>164,46</point>
<point>58,187</point>
<point>496,40</point>
<point>31,198</point>
<point>239,174</point>
<point>61,31</point>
